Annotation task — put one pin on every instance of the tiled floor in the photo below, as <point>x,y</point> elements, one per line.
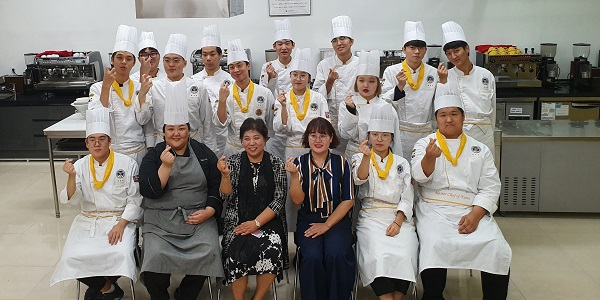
<point>554,256</point>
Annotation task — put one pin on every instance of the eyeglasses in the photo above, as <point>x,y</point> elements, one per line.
<point>299,75</point>
<point>318,137</point>
<point>384,136</point>
<point>152,54</point>
<point>101,140</point>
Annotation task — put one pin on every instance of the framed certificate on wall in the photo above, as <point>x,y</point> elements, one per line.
<point>289,7</point>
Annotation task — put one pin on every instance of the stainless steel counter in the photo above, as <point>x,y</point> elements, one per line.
<point>546,129</point>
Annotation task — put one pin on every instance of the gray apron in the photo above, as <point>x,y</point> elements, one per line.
<point>170,245</point>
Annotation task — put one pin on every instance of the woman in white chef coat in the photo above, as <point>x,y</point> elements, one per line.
<point>295,108</point>
<point>355,113</point>
<point>336,74</point>
<point>387,240</point>
<point>458,189</point>
<point>99,247</point>
<point>242,100</point>
<point>476,86</point>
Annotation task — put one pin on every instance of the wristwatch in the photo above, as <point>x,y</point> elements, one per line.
<point>257,223</point>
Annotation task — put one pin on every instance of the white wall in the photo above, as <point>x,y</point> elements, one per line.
<point>38,25</point>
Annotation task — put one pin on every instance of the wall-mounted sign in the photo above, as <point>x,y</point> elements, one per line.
<point>289,7</point>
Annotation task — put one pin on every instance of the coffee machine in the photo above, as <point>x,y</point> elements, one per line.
<point>549,70</point>
<point>67,71</point>
<point>434,53</point>
<point>581,69</point>
<point>512,68</point>
<point>198,64</point>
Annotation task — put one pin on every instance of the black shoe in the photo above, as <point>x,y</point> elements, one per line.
<point>117,294</point>
<point>92,294</point>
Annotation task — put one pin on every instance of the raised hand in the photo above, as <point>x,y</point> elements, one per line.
<point>145,66</point>
<point>290,166</point>
<point>442,73</point>
<point>432,150</point>
<point>109,77</point>
<point>271,71</point>
<point>401,77</point>
<point>68,167</point>
<point>146,83</point>
<point>281,98</point>
<point>333,75</point>
<point>167,157</point>
<point>223,92</point>
<point>364,148</point>
<point>349,102</point>
<point>222,166</point>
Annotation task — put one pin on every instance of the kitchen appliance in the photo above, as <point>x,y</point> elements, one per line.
<point>69,71</point>
<point>434,53</point>
<point>510,71</point>
<point>198,64</point>
<point>549,70</point>
<point>389,58</point>
<point>515,109</point>
<point>569,108</point>
<point>270,55</point>
<point>581,69</point>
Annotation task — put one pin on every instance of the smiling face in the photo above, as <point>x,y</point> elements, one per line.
<point>99,146</point>
<point>284,48</point>
<point>299,80</point>
<point>253,142</point>
<point>342,45</point>
<point>458,56</point>
<point>450,121</point>
<point>239,70</point>
<point>319,142</point>
<point>123,61</point>
<point>174,65</point>
<point>176,136</point>
<point>366,86</point>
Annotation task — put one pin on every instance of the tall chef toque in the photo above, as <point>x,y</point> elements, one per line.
<point>176,103</point>
<point>301,61</point>
<point>147,41</point>
<point>236,52</point>
<point>368,63</point>
<point>211,37</point>
<point>341,26</point>
<point>97,120</point>
<point>126,39</point>
<point>283,30</point>
<point>414,31</point>
<point>385,119</point>
<point>453,32</point>
<point>177,44</point>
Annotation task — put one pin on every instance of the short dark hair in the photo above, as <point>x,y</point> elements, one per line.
<point>293,43</point>
<point>416,43</point>
<point>320,125</point>
<point>254,124</point>
<point>454,45</point>
<point>461,111</point>
<point>112,55</point>
<point>219,50</point>
<point>188,126</point>
<point>152,49</point>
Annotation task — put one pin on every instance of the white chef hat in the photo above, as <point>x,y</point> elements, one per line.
<point>147,41</point>
<point>176,103</point>
<point>126,39</point>
<point>301,61</point>
<point>211,37</point>
<point>453,32</point>
<point>414,31</point>
<point>385,119</point>
<point>236,52</point>
<point>97,120</point>
<point>283,30</point>
<point>177,44</point>
<point>341,26</point>
<point>368,63</point>
<point>447,100</point>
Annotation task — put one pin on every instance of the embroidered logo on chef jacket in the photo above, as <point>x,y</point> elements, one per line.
<point>258,112</point>
<point>486,83</point>
<point>260,99</point>
<point>194,89</point>
<point>430,81</point>
<point>314,106</point>
<point>120,173</point>
<point>400,169</point>
<point>227,82</point>
<point>475,149</point>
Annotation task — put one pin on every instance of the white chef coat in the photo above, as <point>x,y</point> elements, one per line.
<point>213,85</point>
<point>149,129</point>
<point>477,91</point>
<point>126,122</point>
<point>415,109</point>
<point>160,75</point>
<point>341,86</point>
<point>281,83</point>
<point>87,252</point>
<point>200,111</point>
<point>354,128</point>
<point>295,128</point>
<point>380,255</point>
<point>447,195</point>
<point>261,106</point>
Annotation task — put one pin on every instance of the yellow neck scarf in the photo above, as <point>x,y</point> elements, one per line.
<point>119,92</point>
<point>383,173</point>
<point>444,147</point>
<point>409,78</point>
<point>236,96</point>
<point>305,103</point>
<point>111,162</point>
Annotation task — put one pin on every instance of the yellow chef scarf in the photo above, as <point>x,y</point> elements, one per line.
<point>383,173</point>
<point>444,147</point>
<point>119,92</point>
<point>236,96</point>
<point>409,78</point>
<point>111,162</point>
<point>305,103</point>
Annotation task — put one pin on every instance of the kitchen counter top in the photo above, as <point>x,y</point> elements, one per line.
<point>40,99</point>
<point>562,89</point>
<point>555,129</point>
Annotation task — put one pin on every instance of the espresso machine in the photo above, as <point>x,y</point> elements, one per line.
<point>512,70</point>
<point>581,69</point>
<point>434,53</point>
<point>198,64</point>
<point>549,70</point>
<point>69,71</point>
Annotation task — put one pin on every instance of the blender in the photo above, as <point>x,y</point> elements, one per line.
<point>581,69</point>
<point>549,70</point>
<point>434,53</point>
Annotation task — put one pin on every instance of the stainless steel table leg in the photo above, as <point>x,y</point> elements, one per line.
<point>53,176</point>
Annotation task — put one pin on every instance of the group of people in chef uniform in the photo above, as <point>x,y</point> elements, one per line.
<point>412,152</point>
